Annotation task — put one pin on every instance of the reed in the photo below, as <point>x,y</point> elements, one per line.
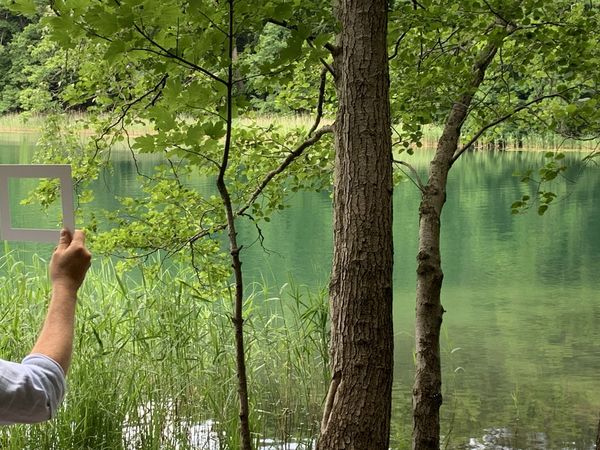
<point>33,123</point>
<point>21,123</point>
<point>154,366</point>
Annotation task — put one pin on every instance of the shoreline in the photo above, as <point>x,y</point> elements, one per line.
<point>428,143</point>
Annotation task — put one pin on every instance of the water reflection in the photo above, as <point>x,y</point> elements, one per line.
<point>161,422</point>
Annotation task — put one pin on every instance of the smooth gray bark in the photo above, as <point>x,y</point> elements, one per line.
<point>427,389</point>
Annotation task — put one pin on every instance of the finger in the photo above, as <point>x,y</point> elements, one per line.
<point>64,240</point>
<point>79,237</point>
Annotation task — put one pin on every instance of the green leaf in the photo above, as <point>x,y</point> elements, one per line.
<point>25,7</point>
<point>571,108</point>
<point>215,130</point>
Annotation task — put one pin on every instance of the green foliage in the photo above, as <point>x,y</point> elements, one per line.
<point>553,168</point>
<point>61,143</point>
<point>166,66</point>
<point>296,87</point>
<point>540,79</point>
<point>34,70</point>
<point>545,51</point>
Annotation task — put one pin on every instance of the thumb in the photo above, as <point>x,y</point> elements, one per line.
<point>64,240</point>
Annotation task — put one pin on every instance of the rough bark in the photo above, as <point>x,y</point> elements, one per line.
<point>427,389</point>
<point>358,407</point>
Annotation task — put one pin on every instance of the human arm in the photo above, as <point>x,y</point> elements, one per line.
<point>68,267</point>
<point>32,391</point>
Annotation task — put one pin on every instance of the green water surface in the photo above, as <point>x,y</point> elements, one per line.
<point>521,342</point>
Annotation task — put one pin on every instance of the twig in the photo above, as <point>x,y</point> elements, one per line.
<point>502,19</point>
<point>285,163</point>
<point>334,50</point>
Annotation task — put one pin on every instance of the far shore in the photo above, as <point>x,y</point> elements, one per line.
<point>12,125</point>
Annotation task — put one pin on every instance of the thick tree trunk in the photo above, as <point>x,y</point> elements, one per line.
<point>358,406</point>
<point>427,389</point>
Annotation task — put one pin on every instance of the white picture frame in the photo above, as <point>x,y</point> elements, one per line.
<point>58,171</point>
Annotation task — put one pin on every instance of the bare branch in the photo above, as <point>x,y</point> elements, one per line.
<point>198,154</point>
<point>212,22</point>
<point>328,66</point>
<point>281,23</point>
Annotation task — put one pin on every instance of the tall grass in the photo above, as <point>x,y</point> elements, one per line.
<point>513,141</point>
<point>21,123</point>
<point>153,365</point>
<point>33,123</point>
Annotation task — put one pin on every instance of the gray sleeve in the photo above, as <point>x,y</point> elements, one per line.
<point>32,391</point>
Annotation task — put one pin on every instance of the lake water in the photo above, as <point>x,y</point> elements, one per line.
<point>521,341</point>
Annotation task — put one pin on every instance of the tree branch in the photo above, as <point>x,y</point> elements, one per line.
<point>502,19</point>
<point>329,46</point>
<point>125,108</point>
<point>234,251</point>
<point>284,164</point>
<point>320,101</point>
<point>169,54</point>
<point>267,179</point>
<point>500,120</point>
<point>397,46</point>
<point>417,180</point>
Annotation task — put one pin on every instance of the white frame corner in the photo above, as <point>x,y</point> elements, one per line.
<point>60,171</point>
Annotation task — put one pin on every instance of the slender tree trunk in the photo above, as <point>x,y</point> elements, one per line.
<point>427,389</point>
<point>234,250</point>
<point>358,405</point>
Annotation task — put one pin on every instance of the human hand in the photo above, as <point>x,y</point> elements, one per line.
<point>70,261</point>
